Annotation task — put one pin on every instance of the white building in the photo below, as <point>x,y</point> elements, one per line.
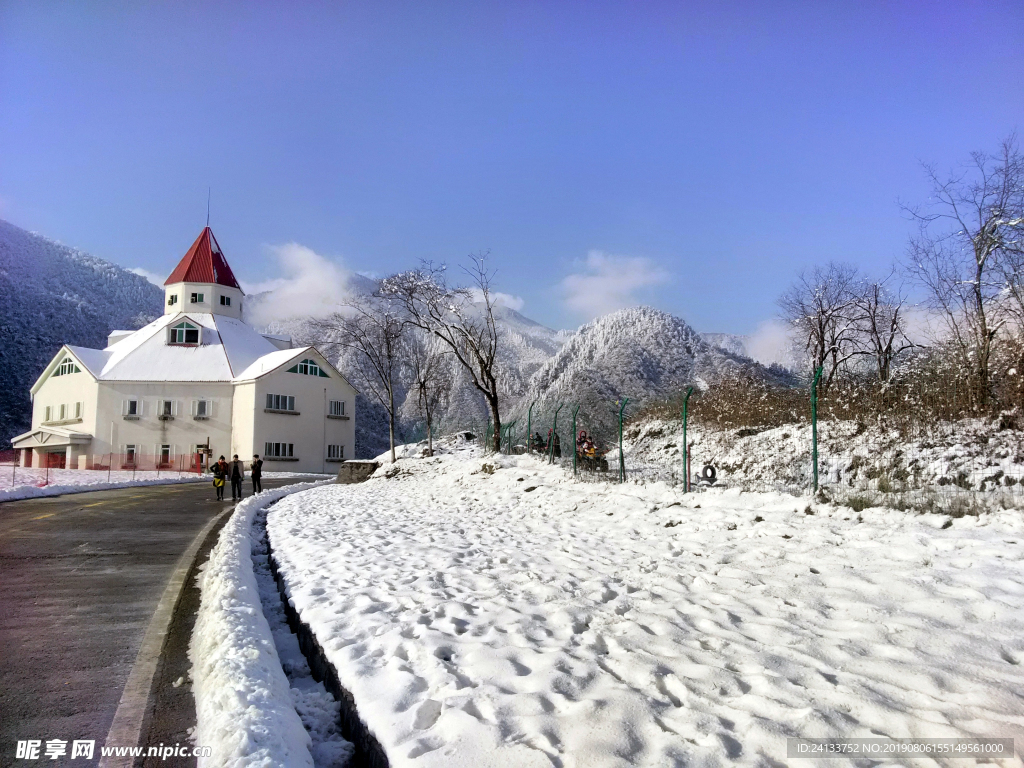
<point>197,377</point>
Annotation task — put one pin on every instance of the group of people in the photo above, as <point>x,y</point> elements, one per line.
<point>234,471</point>
<point>585,447</point>
<point>540,445</point>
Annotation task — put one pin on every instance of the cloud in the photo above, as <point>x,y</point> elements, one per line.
<point>153,277</point>
<point>311,285</point>
<point>772,342</point>
<point>607,283</point>
<point>501,299</point>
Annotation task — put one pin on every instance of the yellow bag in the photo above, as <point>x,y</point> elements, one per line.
<point>218,482</point>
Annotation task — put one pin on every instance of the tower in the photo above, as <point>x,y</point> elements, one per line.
<point>203,281</point>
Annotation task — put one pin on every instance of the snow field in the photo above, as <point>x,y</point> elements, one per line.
<point>244,704</point>
<point>29,481</point>
<point>504,615</point>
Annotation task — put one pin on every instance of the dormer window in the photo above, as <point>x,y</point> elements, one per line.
<point>67,365</point>
<point>309,368</point>
<point>184,333</point>
<point>197,298</point>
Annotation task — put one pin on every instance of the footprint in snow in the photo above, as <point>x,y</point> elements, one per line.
<point>427,714</point>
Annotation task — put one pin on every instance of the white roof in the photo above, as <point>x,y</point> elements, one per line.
<point>229,350</point>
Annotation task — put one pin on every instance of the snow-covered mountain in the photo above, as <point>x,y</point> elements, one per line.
<point>640,353</point>
<point>731,342</point>
<point>51,295</point>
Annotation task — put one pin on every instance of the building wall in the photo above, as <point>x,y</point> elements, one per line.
<point>67,390</point>
<point>242,436</point>
<point>211,299</point>
<point>311,431</point>
<point>148,432</point>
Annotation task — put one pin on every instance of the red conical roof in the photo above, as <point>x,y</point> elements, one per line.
<point>204,263</point>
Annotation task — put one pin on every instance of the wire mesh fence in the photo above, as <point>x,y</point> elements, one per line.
<point>897,448</point>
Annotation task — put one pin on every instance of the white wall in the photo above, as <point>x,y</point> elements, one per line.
<point>148,432</point>
<point>310,431</point>
<point>211,299</point>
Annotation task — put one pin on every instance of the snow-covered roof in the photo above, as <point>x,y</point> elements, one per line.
<point>228,350</point>
<point>268,363</point>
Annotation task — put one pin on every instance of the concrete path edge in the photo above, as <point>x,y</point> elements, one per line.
<point>126,728</point>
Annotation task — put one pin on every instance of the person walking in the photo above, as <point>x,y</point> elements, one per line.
<point>237,476</point>
<point>220,471</point>
<point>256,473</point>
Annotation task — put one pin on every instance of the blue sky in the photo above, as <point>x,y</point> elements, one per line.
<point>692,156</point>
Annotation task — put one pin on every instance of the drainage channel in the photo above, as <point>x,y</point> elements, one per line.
<point>326,708</point>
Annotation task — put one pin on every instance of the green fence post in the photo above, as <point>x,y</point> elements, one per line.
<point>574,440</point>
<point>554,431</point>
<point>814,425</point>
<point>529,428</point>
<point>622,458</point>
<point>686,447</point>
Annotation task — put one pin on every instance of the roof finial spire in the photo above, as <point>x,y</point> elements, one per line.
<point>208,206</point>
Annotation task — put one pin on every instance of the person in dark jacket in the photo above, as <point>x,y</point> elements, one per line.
<point>220,472</point>
<point>237,476</point>
<point>256,473</point>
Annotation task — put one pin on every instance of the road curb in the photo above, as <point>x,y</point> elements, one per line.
<point>126,728</point>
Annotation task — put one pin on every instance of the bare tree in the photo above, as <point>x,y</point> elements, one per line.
<point>974,225</point>
<point>373,328</point>
<point>449,313</point>
<point>821,307</point>
<point>431,377</point>
<point>882,324</point>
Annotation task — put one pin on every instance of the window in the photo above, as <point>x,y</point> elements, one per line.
<point>225,301</point>
<point>132,408</point>
<point>129,454</point>
<point>336,452</point>
<point>172,299</point>
<point>336,408</point>
<point>278,450</point>
<point>309,368</point>
<point>67,365</point>
<point>78,410</point>
<point>184,333</point>
<point>165,455</point>
<point>280,403</point>
<point>48,413</point>
<point>201,409</point>
<point>166,408</point>
<point>197,298</point>
<point>63,411</point>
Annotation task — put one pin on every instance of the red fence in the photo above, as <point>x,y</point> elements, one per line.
<point>116,466</point>
<point>145,462</point>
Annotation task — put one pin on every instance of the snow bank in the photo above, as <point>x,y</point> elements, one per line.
<point>489,611</point>
<point>244,704</point>
<point>77,481</point>
<point>971,456</point>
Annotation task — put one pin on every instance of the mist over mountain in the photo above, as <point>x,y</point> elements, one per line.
<point>52,295</point>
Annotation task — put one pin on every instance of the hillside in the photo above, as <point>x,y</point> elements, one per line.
<point>51,295</point>
<point>639,353</point>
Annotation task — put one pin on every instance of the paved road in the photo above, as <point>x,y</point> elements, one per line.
<point>80,576</point>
